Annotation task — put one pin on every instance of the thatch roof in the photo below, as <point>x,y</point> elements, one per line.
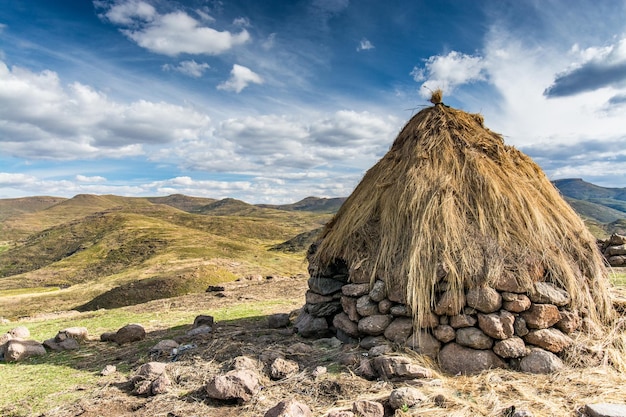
<point>451,196</point>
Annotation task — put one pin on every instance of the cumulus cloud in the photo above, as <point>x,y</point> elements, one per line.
<point>365,45</point>
<point>95,178</point>
<point>40,118</point>
<point>170,33</point>
<point>449,71</point>
<point>600,67</point>
<point>190,68</point>
<point>240,78</point>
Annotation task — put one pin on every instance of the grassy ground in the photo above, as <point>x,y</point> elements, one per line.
<point>59,384</point>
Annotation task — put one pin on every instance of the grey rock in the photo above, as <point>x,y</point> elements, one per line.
<point>484,299</point>
<point>374,325</point>
<point>400,310</point>
<point>366,307</point>
<point>369,342</point>
<point>325,286</point>
<point>405,397</point>
<point>315,298</point>
<point>199,331</point>
<point>540,361</point>
<point>605,410</point>
<point>519,327</point>
<point>399,367</point>
<point>462,320</point>
<point>456,359</point>
<point>18,349</point>
<point>309,326</point>
<point>19,332</point>
<point>283,368</point>
<point>378,291</point>
<point>549,339</point>
<point>164,347</point>
<point>548,293</point>
<point>348,304</point>
<point>424,343</point>
<point>497,325</point>
<point>130,333</point>
<point>355,290</point>
<point>473,338</point>
<point>324,309</point>
<point>77,333</point>
<point>444,333</point>
<point>513,347</point>
<point>240,384</point>
<point>399,329</point>
<point>278,320</point>
<point>342,322</point>
<point>450,303</point>
<point>203,320</point>
<point>384,306</point>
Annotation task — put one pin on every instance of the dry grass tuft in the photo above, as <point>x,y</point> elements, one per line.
<point>450,193</point>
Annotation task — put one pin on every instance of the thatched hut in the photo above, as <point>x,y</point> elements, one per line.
<point>448,212</point>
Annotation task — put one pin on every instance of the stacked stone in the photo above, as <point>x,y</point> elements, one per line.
<point>614,250</point>
<point>485,327</point>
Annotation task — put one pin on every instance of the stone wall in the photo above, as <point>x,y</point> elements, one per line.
<point>614,250</point>
<point>494,327</point>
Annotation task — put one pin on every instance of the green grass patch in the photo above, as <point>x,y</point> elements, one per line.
<point>618,277</point>
<point>22,291</point>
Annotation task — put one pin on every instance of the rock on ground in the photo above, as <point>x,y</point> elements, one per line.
<point>605,410</point>
<point>129,333</point>
<point>455,359</point>
<point>19,349</point>
<point>405,396</point>
<point>289,408</point>
<point>541,361</point>
<point>239,384</point>
<point>365,408</point>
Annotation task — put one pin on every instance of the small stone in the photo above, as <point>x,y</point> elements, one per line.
<point>348,304</point>
<point>379,350</point>
<point>277,321</point>
<point>509,283</point>
<point>366,369</point>
<point>541,316</point>
<point>548,293</point>
<point>473,338</point>
<point>164,347</point>
<point>315,298</point>
<point>108,370</point>
<point>289,408</point>
<point>374,325</point>
<point>399,330</point>
<point>150,370</point>
<point>199,331</point>
<point>342,322</point>
<point>355,290</point>
<point>309,326</point>
<point>203,320</point>
<point>340,413</point>
<point>519,327</point>
<point>394,367</point>
<point>245,362</point>
<point>549,339</point>
<point>108,337</point>
<point>161,385</point>
<point>513,347</point>
<point>378,291</point>
<point>20,332</point>
<point>484,299</point>
<point>405,397</point>
<point>516,304</point>
<point>384,306</point>
<point>424,343</point>
<point>444,333</point>
<point>498,326</point>
<point>539,361</point>
<point>365,408</point>
<point>456,359</point>
<point>369,342</point>
<point>234,385</point>
<point>366,307</point>
<point>283,368</point>
<point>77,333</point>
<point>522,413</point>
<point>130,333</point>
<point>319,370</point>
<point>570,322</point>
<point>462,320</point>
<point>605,410</point>
<point>399,310</point>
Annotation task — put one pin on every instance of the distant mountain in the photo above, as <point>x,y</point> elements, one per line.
<point>14,206</point>
<point>182,202</point>
<point>315,204</point>
<point>596,204</point>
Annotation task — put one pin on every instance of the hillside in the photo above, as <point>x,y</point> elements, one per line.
<point>93,247</point>
<point>315,204</point>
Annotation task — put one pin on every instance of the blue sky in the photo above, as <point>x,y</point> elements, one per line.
<point>272,101</point>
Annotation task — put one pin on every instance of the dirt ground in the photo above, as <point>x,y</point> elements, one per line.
<point>490,393</point>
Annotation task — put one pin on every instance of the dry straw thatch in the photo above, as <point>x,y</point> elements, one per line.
<point>450,198</point>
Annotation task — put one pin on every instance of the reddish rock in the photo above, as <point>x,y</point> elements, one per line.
<point>509,283</point>
<point>365,408</point>
<point>431,320</point>
<point>549,339</point>
<point>541,316</point>
<point>130,333</point>
<point>570,322</point>
<point>455,359</point>
<point>289,408</point>
<point>283,368</point>
<point>234,385</point>
<point>484,299</point>
<point>515,303</point>
<point>498,326</point>
<point>444,333</point>
<point>406,397</point>
<point>392,367</point>
<point>462,320</point>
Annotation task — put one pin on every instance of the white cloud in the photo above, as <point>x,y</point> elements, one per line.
<point>8,179</point>
<point>449,71</point>
<point>240,78</point>
<point>40,118</point>
<point>190,68</point>
<point>243,22</point>
<point>171,33</point>
<point>365,45</point>
<point>95,178</point>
